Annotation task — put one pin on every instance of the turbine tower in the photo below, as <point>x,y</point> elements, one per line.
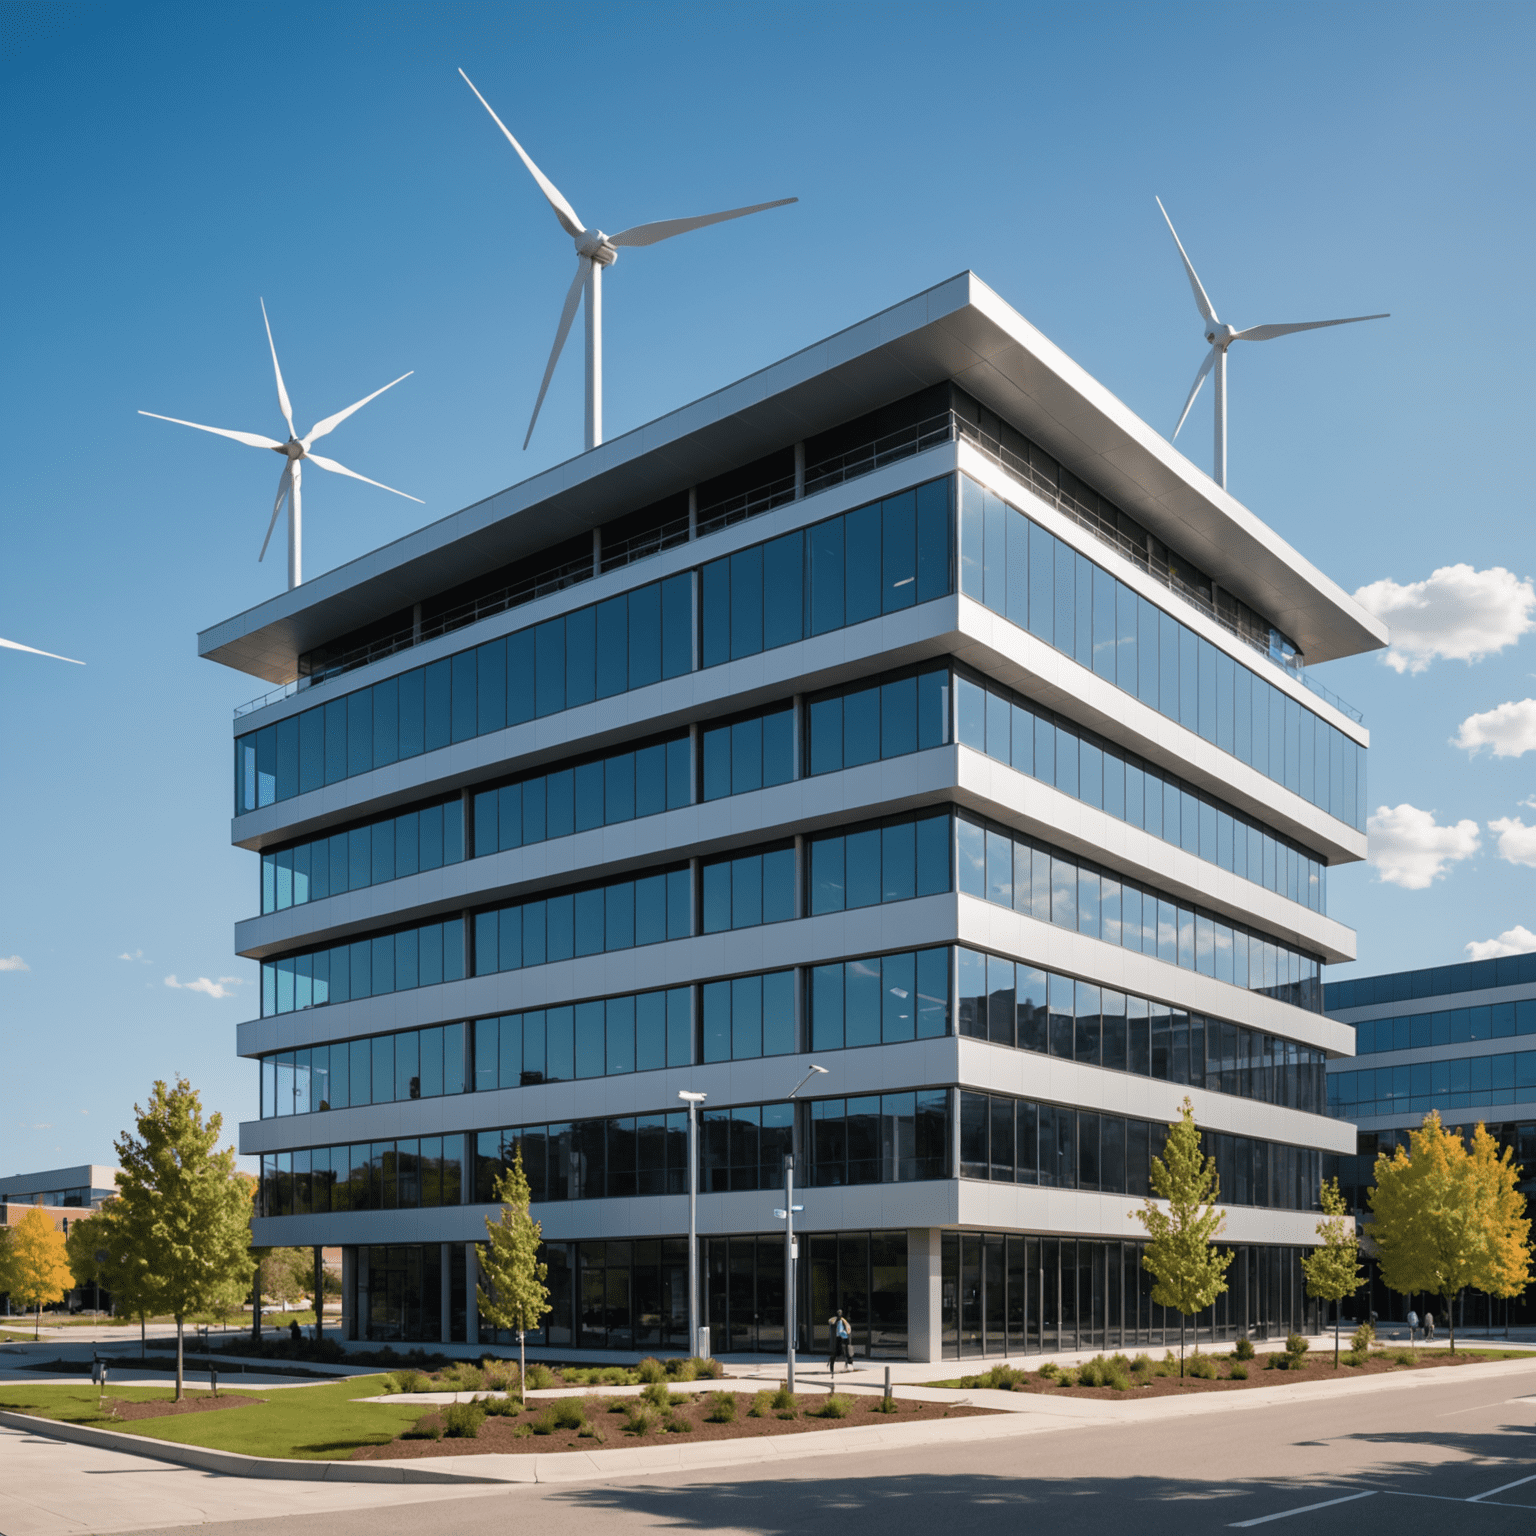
<point>295,451</point>
<point>594,251</point>
<point>1221,336</point>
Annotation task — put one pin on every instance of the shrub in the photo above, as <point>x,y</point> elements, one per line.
<point>762,1404</point>
<point>1277,1362</point>
<point>1066,1379</point>
<point>1091,1372</point>
<point>784,1402</point>
<point>1244,1349</point>
<point>642,1419</point>
<point>1142,1365</point>
<point>522,1431</point>
<point>1239,1371</point>
<point>887,1405</point>
<point>657,1395</point>
<point>838,1406</point>
<point>507,1407</point>
<point>711,1368</point>
<point>463,1376</point>
<point>499,1375</point>
<point>1295,1347</point>
<point>1354,1357</point>
<point>722,1408</point>
<point>1203,1367</point>
<point>675,1423</point>
<point>540,1378</point>
<point>1050,1370</point>
<point>1405,1357</point>
<point>544,1424</point>
<point>462,1421</point>
<point>591,1432</point>
<point>1001,1377</point>
<point>680,1368</point>
<point>1362,1339</point>
<point>408,1381</point>
<point>651,1369</point>
<point>568,1412</point>
<point>428,1427</point>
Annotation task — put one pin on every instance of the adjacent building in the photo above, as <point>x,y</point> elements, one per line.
<point>909,709</point>
<point>65,1194</point>
<point>1449,1038</point>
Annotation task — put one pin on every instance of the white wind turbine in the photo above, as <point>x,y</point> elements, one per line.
<point>1221,336</point>
<point>594,251</point>
<point>296,450</point>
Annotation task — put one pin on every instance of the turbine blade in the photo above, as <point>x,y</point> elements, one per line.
<point>569,222</point>
<point>1269,332</point>
<point>321,428</point>
<point>16,645</point>
<point>1207,313</point>
<point>284,488</point>
<point>1205,368</point>
<point>253,439</point>
<point>282,392</point>
<point>341,469</point>
<point>572,299</point>
<point>664,229</point>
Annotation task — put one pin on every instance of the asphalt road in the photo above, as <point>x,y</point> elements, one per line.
<point>1446,1458</point>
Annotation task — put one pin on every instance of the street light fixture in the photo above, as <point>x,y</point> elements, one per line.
<point>693,1100</point>
<point>791,1248</point>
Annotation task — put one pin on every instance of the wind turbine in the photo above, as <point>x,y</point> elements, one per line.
<point>16,645</point>
<point>594,251</point>
<point>1221,336</point>
<point>296,450</point>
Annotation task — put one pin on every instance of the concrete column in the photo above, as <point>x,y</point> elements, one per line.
<point>925,1279</point>
<point>799,470</point>
<point>597,551</point>
<point>693,512</point>
<point>471,1310</point>
<point>445,1250</point>
<point>797,719</point>
<point>349,1293</point>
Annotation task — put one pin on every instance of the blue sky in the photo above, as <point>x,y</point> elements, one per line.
<point>168,164</point>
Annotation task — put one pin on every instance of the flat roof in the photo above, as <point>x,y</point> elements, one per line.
<point>958,330</point>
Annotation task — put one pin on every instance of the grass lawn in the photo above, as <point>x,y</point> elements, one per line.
<point>319,1423</point>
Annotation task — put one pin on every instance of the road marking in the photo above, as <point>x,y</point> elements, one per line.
<point>1478,1497</point>
<point>1306,1509</point>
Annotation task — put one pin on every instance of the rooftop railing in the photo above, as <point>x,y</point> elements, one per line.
<point>861,460</point>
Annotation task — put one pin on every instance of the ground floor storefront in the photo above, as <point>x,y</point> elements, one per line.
<point>920,1294</point>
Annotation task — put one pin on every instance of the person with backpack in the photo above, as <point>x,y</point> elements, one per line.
<point>839,1341</point>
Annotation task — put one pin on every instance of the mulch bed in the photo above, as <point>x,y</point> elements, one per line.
<point>1318,1367</point>
<point>165,1408</point>
<point>498,1434</point>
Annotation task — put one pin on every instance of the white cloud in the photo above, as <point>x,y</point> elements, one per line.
<point>1517,842</point>
<point>137,955</point>
<point>1409,849</point>
<point>1459,613</point>
<point>13,963</point>
<point>1510,730</point>
<point>202,984</point>
<point>1513,941</point>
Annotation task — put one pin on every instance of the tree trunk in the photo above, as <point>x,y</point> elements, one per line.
<point>1450,1323</point>
<point>179,1372</point>
<point>37,1326</point>
<point>1338,1309</point>
<point>143,1340</point>
<point>522,1366</point>
<point>1181,1346</point>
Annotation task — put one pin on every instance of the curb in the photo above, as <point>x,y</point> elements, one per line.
<point>232,1463</point>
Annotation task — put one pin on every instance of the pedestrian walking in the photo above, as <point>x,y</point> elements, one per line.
<point>839,1341</point>
<point>1429,1326</point>
<point>1413,1326</point>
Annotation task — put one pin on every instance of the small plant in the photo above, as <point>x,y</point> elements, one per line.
<point>540,1378</point>
<point>499,1375</point>
<point>1050,1370</point>
<point>462,1421</point>
<point>591,1432</point>
<point>1066,1378</point>
<point>1405,1357</point>
<point>1142,1366</point>
<point>1091,1372</point>
<point>1295,1348</point>
<point>710,1368</point>
<point>462,1376</point>
<point>1243,1350</point>
<point>544,1424</point>
<point>887,1405</point>
<point>1362,1339</point>
<point>642,1419</point>
<point>675,1423</point>
<point>1203,1367</point>
<point>569,1413</point>
<point>762,1404</point>
<point>1239,1371</point>
<point>522,1431</point>
<point>837,1406</point>
<point>651,1369</point>
<point>657,1395</point>
<point>408,1381</point>
<point>1002,1378</point>
<point>1354,1357</point>
<point>1277,1362</point>
<point>722,1408</point>
<point>681,1369</point>
<point>785,1405</point>
<point>428,1427</point>
<point>507,1407</point>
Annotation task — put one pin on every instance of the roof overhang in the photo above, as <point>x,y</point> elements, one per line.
<point>959,330</point>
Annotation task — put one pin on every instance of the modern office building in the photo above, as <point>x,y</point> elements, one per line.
<point>909,708</point>
<point>84,1187</point>
<point>1446,1038</point>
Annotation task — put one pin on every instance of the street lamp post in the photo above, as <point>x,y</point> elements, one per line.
<point>693,1100</point>
<point>791,1249</point>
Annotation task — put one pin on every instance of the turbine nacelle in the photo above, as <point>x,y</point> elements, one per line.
<point>595,246</point>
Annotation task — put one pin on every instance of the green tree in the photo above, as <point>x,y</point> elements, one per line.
<point>99,1252</point>
<point>1190,1272</point>
<point>1449,1216</point>
<point>185,1210</point>
<point>1333,1270</point>
<point>37,1271</point>
<point>509,1260</point>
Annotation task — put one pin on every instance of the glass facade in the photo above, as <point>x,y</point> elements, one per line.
<point>1018,1141</point>
<point>637,1033</point>
<point>997,865</point>
<point>880,1138</point>
<point>752,752</point>
<point>1446,1026</point>
<point>382,1069</point>
<point>876,718</point>
<point>1036,1010</point>
<point>1013,566</point>
<point>1034,741</point>
<point>386,848</point>
<point>423,955</point>
<point>1465,1082</point>
<point>1434,981</point>
<point>879,1000</point>
<point>600,792</point>
<point>748,1017</point>
<point>1006,1294</point>
<point>364,1176</point>
<point>896,859</point>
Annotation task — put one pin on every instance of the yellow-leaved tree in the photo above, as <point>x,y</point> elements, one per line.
<point>1449,1216</point>
<point>37,1266</point>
